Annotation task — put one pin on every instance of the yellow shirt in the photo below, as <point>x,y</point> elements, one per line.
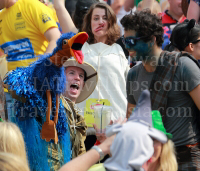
<point>22,28</point>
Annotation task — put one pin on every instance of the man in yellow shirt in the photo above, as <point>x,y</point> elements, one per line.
<point>27,29</point>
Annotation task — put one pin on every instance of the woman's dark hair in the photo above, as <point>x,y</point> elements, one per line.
<point>82,7</point>
<point>183,34</point>
<point>144,23</point>
<point>113,32</point>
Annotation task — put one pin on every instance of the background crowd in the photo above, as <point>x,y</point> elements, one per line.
<point>133,45</point>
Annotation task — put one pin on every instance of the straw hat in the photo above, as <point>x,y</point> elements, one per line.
<point>91,78</point>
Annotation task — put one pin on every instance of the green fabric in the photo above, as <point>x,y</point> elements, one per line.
<point>158,124</point>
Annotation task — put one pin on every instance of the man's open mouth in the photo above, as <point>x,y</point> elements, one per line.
<point>74,86</point>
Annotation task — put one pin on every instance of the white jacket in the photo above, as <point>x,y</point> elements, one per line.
<point>112,67</point>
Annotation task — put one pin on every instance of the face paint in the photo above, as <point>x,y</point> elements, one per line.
<point>131,41</point>
<point>143,50</point>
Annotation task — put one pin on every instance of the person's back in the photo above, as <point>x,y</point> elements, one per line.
<point>23,27</point>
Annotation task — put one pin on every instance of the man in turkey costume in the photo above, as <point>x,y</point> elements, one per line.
<point>46,94</point>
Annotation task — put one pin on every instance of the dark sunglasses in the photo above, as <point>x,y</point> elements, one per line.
<point>196,41</point>
<point>131,41</point>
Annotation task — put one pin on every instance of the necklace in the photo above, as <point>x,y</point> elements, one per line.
<point>76,108</point>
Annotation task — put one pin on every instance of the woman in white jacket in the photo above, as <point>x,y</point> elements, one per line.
<point>103,53</point>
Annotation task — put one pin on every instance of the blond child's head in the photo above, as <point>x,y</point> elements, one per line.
<point>11,162</point>
<point>11,140</point>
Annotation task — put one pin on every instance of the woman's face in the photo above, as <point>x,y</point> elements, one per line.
<point>157,151</point>
<point>99,24</point>
<point>196,50</point>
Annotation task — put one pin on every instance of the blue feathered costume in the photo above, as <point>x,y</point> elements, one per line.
<point>29,85</point>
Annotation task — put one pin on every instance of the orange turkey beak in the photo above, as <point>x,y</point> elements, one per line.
<point>75,43</point>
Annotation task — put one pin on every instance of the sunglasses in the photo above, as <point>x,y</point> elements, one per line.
<point>131,41</point>
<point>196,41</point>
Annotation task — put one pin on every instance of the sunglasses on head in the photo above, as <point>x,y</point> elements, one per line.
<point>131,41</point>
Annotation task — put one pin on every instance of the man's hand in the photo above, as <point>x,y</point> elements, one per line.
<point>101,136</point>
<point>105,146</point>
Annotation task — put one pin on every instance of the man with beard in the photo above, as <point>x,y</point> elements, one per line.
<point>173,80</point>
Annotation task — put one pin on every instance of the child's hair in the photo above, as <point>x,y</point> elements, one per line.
<point>11,162</point>
<point>11,140</point>
<point>168,160</point>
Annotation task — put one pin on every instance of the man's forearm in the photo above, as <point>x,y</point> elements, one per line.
<point>83,162</point>
<point>64,18</point>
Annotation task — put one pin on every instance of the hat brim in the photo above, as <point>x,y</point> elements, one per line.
<point>90,84</point>
<point>158,135</point>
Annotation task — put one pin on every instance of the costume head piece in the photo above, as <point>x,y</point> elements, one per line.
<point>158,124</point>
<point>133,145</point>
<point>39,86</point>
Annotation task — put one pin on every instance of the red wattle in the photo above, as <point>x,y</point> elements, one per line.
<point>79,56</point>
